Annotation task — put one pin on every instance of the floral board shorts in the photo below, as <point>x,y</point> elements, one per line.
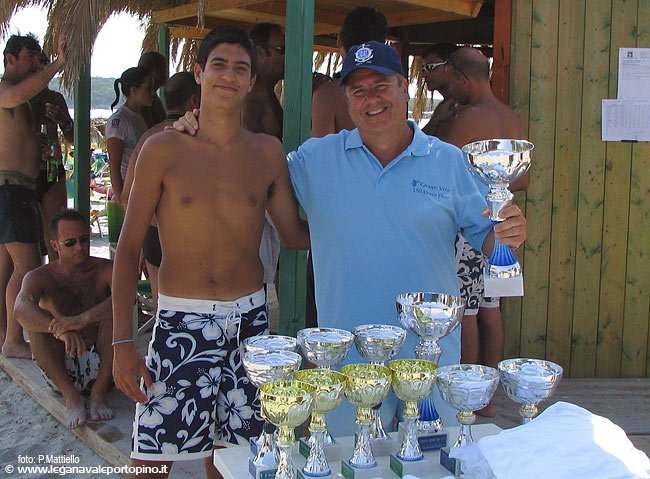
<point>469,268</point>
<point>201,394</point>
<point>83,371</point>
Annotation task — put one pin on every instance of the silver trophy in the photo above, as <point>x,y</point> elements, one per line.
<point>378,343</point>
<point>468,388</point>
<point>430,316</point>
<point>263,367</point>
<point>269,342</point>
<point>325,347</point>
<point>528,382</point>
<point>498,163</point>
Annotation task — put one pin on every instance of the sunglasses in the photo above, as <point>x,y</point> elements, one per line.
<point>429,67</point>
<point>70,242</point>
<point>278,48</point>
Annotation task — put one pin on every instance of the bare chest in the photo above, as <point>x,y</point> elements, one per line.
<point>74,298</point>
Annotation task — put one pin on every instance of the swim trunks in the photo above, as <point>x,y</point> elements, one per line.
<point>469,267</point>
<point>82,371</point>
<point>43,186</point>
<point>151,247</point>
<point>196,370</point>
<point>20,213</point>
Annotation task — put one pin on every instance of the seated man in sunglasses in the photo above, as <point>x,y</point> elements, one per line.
<point>435,59</point>
<point>66,307</point>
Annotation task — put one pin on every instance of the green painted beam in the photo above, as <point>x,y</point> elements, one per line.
<point>163,48</point>
<point>82,142</point>
<point>297,129</point>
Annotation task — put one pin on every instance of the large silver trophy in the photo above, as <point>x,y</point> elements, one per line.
<point>378,343</point>
<point>263,367</point>
<point>468,388</point>
<point>498,163</point>
<point>430,316</point>
<point>528,382</point>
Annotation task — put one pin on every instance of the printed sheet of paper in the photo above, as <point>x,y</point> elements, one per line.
<point>626,120</point>
<point>634,74</point>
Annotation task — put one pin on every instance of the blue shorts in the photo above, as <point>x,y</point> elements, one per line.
<point>201,394</point>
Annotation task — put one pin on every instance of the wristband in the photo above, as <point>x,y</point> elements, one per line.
<point>122,341</point>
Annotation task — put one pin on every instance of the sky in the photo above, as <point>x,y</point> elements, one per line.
<point>117,46</point>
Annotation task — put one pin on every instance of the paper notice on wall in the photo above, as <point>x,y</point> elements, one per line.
<point>634,74</point>
<point>626,120</point>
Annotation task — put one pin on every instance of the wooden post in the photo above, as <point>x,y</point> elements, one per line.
<point>297,128</point>
<point>163,49</point>
<point>82,142</point>
<point>501,65</point>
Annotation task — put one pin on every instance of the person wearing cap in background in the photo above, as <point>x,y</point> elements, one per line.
<point>384,202</point>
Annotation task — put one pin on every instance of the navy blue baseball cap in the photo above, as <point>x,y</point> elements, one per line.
<point>374,55</point>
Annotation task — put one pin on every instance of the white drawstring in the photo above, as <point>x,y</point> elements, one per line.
<point>234,317</point>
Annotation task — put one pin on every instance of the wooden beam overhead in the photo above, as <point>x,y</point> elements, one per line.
<point>191,9</point>
<point>418,16</point>
<point>463,8</point>
<point>188,32</point>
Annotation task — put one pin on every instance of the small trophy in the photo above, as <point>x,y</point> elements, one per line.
<point>379,343</point>
<point>367,385</point>
<point>330,386</point>
<point>497,163</point>
<point>264,367</point>
<point>468,388</point>
<point>430,316</point>
<point>269,342</point>
<point>412,381</point>
<point>325,347</point>
<point>528,382</point>
<point>286,404</point>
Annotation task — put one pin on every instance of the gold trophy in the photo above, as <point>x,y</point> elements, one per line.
<point>329,393</point>
<point>367,385</point>
<point>412,380</point>
<point>286,404</point>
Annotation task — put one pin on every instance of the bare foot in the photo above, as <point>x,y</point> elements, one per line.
<point>99,411</point>
<point>488,411</point>
<point>76,414</point>
<point>21,350</point>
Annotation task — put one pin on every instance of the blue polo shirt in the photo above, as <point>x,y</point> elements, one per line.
<point>380,231</point>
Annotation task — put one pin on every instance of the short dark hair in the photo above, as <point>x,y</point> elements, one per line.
<point>157,64</point>
<point>227,34</point>
<point>261,34</point>
<point>131,77</point>
<point>66,214</point>
<point>363,24</point>
<point>442,50</point>
<point>16,43</point>
<point>469,65</point>
<point>180,88</point>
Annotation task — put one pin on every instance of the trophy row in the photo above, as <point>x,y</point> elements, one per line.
<point>289,395</point>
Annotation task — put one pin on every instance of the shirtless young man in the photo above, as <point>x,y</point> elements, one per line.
<point>209,194</point>
<point>66,307</point>
<point>20,160</point>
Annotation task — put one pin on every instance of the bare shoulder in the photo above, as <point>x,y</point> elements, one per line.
<point>40,277</point>
<point>164,145</point>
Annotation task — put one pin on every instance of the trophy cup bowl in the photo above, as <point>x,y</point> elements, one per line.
<point>325,347</point>
<point>330,386</point>
<point>287,405</point>
<point>528,382</point>
<point>497,163</point>
<point>367,385</point>
<point>270,342</point>
<point>263,367</point>
<point>378,343</point>
<point>430,316</point>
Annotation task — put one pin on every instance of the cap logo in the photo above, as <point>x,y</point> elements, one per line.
<point>363,54</point>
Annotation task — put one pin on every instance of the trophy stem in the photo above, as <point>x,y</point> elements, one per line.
<point>501,254</point>
<point>410,448</point>
<point>285,466</point>
<point>527,412</point>
<point>466,419</point>
<point>266,451</point>
<point>362,456</point>
<point>319,423</point>
<point>429,418</point>
<point>316,462</point>
<point>498,197</point>
<point>377,430</point>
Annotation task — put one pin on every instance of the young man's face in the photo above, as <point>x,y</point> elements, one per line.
<point>73,242</point>
<point>377,103</point>
<point>226,77</point>
<point>26,63</point>
<point>436,78</point>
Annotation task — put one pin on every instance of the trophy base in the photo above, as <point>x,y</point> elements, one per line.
<point>332,451</point>
<point>302,475</point>
<point>500,287</point>
<point>429,441</point>
<point>261,472</point>
<point>449,463</point>
<point>402,468</point>
<point>253,446</point>
<point>383,447</point>
<point>351,472</point>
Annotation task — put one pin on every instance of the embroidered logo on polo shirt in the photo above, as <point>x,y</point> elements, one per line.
<point>435,191</point>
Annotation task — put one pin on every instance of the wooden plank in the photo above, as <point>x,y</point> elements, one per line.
<point>466,8</point>
<point>565,181</point>
<point>188,32</point>
<point>590,190</point>
<point>501,53</point>
<point>522,14</point>
<point>543,75</point>
<point>616,210</point>
<point>251,16</point>
<point>419,16</point>
<point>190,10</point>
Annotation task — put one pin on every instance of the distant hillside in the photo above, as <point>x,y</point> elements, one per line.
<point>101,92</point>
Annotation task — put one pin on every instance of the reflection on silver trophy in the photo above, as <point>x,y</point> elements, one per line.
<point>430,316</point>
<point>325,347</point>
<point>528,382</point>
<point>498,163</point>
<point>378,343</point>
<point>269,342</point>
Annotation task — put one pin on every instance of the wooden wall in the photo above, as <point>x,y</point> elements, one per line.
<point>586,261</point>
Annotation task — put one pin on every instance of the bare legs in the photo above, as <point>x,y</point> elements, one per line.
<point>99,410</point>
<point>52,202</point>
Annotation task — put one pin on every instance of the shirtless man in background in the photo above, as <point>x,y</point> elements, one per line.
<point>66,307</point>
<point>209,194</point>
<point>20,161</point>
